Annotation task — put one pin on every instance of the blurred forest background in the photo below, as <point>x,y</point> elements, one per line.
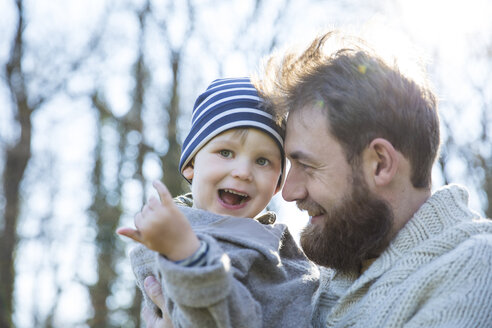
<point>95,96</point>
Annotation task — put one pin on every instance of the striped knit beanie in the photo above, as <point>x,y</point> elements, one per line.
<point>228,104</point>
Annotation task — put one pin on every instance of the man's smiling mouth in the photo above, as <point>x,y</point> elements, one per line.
<point>232,197</point>
<point>315,213</point>
<point>311,208</point>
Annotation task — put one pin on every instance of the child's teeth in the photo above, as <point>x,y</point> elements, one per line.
<point>235,193</point>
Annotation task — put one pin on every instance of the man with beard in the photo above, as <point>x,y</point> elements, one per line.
<point>362,138</point>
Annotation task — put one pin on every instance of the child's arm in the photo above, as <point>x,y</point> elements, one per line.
<point>161,227</point>
<point>205,296</point>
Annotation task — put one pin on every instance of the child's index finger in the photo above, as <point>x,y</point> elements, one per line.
<point>164,194</point>
<point>130,233</point>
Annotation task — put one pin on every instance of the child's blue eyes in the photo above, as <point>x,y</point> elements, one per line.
<point>262,161</point>
<point>225,153</point>
<point>229,154</point>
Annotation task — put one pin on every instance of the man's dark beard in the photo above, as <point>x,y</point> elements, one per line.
<point>354,231</point>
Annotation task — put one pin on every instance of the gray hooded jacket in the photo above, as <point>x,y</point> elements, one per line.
<point>255,276</point>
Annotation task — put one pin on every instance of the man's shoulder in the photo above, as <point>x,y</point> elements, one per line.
<point>464,244</point>
<point>472,231</point>
<point>472,253</point>
<point>467,235</point>
<point>477,244</point>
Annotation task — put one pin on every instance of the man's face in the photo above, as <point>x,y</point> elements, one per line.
<point>236,173</point>
<point>319,172</point>
<point>348,223</point>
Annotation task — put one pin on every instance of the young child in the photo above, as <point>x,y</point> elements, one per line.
<point>226,271</point>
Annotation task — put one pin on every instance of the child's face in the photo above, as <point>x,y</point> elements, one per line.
<point>236,173</point>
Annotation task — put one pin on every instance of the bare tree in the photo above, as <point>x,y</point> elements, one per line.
<point>17,157</point>
<point>106,215</point>
<point>106,212</point>
<point>25,102</point>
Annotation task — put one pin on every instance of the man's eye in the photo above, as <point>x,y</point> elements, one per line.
<point>225,153</point>
<point>262,161</point>
<point>304,166</point>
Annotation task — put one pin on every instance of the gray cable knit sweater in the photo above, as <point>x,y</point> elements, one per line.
<point>437,272</point>
<point>255,276</point>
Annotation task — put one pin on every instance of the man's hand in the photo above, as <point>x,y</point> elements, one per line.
<point>163,228</point>
<point>152,320</point>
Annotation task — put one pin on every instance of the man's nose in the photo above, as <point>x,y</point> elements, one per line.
<point>294,188</point>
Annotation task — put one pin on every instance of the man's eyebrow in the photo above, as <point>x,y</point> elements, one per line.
<point>297,155</point>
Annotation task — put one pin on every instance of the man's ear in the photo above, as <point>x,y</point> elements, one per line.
<point>383,161</point>
<point>188,172</point>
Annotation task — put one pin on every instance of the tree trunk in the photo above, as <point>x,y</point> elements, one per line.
<point>17,158</point>
<point>170,162</point>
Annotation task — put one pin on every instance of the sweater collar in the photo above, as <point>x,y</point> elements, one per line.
<point>447,207</point>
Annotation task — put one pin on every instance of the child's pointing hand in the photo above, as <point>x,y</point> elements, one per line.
<point>162,227</point>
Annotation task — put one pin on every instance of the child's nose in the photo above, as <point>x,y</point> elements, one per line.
<point>242,170</point>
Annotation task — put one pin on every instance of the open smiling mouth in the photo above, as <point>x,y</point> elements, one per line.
<point>231,197</point>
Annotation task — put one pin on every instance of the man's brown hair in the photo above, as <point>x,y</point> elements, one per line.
<point>363,97</point>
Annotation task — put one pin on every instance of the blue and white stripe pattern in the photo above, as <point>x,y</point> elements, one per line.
<point>227,104</point>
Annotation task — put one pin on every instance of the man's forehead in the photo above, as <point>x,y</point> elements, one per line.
<point>306,128</point>
<point>302,118</point>
<point>297,129</point>
<point>298,118</point>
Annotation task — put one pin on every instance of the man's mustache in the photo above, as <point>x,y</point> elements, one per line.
<point>309,206</point>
